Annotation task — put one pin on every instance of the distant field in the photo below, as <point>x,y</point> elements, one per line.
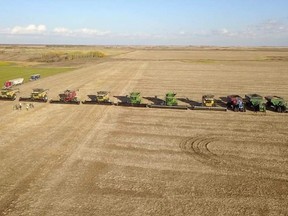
<point>10,70</point>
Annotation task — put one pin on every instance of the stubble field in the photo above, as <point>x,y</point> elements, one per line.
<point>108,160</point>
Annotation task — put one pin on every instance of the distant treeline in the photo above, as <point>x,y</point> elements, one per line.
<point>62,56</point>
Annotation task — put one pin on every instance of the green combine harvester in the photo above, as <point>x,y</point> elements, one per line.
<point>255,102</point>
<point>169,103</point>
<point>134,99</point>
<point>277,103</point>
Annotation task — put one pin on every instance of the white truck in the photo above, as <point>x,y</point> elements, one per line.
<point>14,82</point>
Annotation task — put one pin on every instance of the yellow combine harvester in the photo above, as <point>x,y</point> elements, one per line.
<point>37,95</point>
<point>101,98</point>
<point>9,94</point>
<point>208,103</point>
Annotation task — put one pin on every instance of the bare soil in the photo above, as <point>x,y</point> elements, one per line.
<point>106,160</point>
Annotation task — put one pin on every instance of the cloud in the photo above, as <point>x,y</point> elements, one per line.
<point>266,32</point>
<point>83,32</point>
<point>224,32</point>
<point>87,31</point>
<point>30,29</point>
<point>269,27</point>
<point>41,29</point>
<point>61,30</point>
<point>182,33</point>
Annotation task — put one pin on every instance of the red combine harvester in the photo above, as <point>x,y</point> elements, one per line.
<point>68,97</point>
<point>236,103</point>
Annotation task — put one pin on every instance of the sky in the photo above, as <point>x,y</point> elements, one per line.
<point>145,22</point>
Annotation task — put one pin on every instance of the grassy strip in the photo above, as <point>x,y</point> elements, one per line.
<point>13,71</point>
<point>3,63</point>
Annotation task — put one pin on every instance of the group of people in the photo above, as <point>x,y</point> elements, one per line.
<point>26,106</point>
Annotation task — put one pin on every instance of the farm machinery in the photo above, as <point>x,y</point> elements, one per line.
<point>276,103</point>
<point>68,97</point>
<point>101,98</point>
<point>37,95</point>
<point>170,102</point>
<point>9,94</point>
<point>256,102</point>
<point>208,103</point>
<point>133,99</point>
<point>236,103</point>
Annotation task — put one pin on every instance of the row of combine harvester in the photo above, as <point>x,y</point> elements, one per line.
<point>236,103</point>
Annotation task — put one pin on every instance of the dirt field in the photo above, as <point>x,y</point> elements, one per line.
<point>107,160</point>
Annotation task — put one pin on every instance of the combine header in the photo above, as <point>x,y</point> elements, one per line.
<point>236,103</point>
<point>101,98</point>
<point>276,103</point>
<point>37,95</point>
<point>169,103</point>
<point>9,94</point>
<point>256,102</point>
<point>134,100</point>
<point>68,97</point>
<point>208,103</point>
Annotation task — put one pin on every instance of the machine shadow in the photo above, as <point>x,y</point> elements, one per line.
<point>192,103</point>
<point>155,100</point>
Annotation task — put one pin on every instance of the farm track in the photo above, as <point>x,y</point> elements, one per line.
<point>107,160</point>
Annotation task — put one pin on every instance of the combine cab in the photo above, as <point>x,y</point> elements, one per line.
<point>256,102</point>
<point>236,103</point>
<point>276,103</point>
<point>68,97</point>
<point>101,98</point>
<point>134,99</point>
<point>169,103</point>
<point>9,94</point>
<point>208,103</point>
<point>37,95</point>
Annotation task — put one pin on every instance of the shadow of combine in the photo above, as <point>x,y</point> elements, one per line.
<point>155,100</point>
<point>223,99</point>
<point>123,99</point>
<point>92,97</point>
<point>222,102</point>
<point>192,103</point>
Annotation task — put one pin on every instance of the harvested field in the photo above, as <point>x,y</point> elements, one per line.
<point>106,160</point>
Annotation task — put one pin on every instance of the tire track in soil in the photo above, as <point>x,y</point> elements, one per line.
<point>198,147</point>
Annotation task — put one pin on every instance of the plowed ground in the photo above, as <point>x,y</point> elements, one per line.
<point>106,160</point>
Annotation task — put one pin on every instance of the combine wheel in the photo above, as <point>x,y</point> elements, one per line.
<point>228,105</point>
<point>279,109</point>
